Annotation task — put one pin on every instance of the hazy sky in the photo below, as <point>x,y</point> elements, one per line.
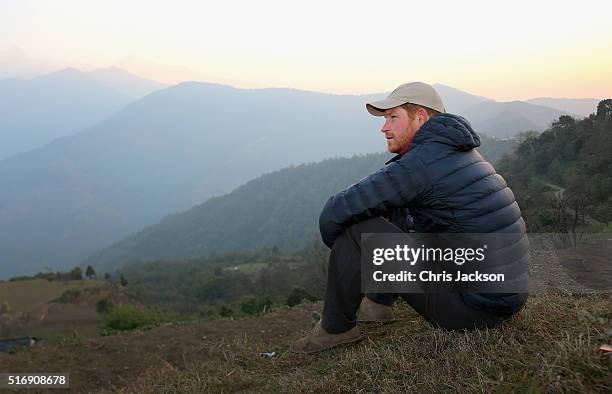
<point>503,50</point>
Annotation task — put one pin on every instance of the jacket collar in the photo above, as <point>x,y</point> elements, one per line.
<point>395,158</point>
<point>447,129</point>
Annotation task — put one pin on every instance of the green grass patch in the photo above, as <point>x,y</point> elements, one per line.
<point>130,317</point>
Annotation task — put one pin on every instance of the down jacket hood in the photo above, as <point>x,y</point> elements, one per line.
<point>448,129</point>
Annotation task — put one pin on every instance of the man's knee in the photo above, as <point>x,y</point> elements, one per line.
<point>373,225</point>
<point>352,234</point>
<point>349,241</point>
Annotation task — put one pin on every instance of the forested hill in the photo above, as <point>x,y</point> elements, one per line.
<point>572,160</point>
<point>278,209</point>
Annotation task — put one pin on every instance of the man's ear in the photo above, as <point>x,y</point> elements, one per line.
<point>422,116</point>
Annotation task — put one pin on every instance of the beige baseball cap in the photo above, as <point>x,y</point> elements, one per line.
<point>413,92</point>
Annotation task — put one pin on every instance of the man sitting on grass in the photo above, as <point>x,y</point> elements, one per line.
<point>437,183</point>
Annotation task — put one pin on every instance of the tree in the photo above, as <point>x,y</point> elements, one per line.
<point>123,281</point>
<point>569,218</point>
<point>604,109</point>
<point>564,121</point>
<point>90,272</point>
<point>75,274</point>
<point>218,270</point>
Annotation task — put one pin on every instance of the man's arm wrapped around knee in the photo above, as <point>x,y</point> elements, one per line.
<point>389,188</point>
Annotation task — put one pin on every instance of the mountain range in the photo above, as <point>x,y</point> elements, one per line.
<point>171,149</point>
<point>163,153</point>
<point>36,111</point>
<point>581,107</point>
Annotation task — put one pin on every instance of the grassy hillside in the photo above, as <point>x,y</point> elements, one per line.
<point>551,346</point>
<point>278,209</point>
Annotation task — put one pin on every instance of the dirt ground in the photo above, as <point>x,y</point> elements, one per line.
<point>114,362</point>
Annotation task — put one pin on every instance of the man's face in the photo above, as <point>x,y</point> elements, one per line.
<point>399,129</point>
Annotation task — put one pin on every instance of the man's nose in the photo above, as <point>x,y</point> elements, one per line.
<point>385,127</point>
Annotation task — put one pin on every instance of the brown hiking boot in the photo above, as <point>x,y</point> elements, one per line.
<point>319,340</point>
<point>371,312</point>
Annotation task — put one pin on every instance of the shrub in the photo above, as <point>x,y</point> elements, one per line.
<point>298,295</point>
<point>129,317</point>
<point>254,305</point>
<point>207,311</point>
<point>5,308</point>
<point>226,311</point>
<point>104,306</point>
<point>70,295</point>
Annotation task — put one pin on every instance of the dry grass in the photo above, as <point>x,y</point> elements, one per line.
<point>33,311</point>
<point>549,347</point>
<point>24,295</point>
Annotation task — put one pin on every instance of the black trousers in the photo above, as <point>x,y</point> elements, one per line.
<point>343,293</point>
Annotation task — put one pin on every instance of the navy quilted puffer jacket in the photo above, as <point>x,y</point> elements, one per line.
<point>445,185</point>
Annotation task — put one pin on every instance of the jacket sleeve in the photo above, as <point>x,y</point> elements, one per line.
<point>393,186</point>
